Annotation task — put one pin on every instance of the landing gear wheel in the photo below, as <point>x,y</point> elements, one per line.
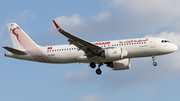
<point>154,63</point>
<point>92,65</point>
<point>98,71</point>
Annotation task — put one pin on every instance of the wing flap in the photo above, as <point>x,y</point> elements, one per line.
<point>15,51</point>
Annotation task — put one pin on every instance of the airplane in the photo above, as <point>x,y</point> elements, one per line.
<point>115,54</point>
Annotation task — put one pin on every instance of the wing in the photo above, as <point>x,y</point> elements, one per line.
<point>91,50</point>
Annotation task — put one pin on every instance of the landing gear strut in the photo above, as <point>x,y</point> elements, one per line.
<point>154,63</point>
<point>98,71</point>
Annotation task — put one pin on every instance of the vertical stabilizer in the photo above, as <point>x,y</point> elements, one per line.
<point>20,39</point>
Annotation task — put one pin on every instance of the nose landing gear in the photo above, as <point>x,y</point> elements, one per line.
<point>154,63</point>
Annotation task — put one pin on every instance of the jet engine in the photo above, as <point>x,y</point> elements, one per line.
<point>113,53</point>
<point>120,64</point>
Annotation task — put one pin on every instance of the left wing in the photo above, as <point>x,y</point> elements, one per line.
<point>90,50</point>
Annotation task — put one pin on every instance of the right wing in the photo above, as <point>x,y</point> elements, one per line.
<point>91,50</point>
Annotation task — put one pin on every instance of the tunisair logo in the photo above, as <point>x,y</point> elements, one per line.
<point>102,43</point>
<point>14,32</point>
<point>114,52</point>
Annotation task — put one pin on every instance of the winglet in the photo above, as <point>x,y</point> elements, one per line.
<point>57,27</point>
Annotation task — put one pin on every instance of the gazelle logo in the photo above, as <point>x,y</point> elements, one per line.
<point>114,52</point>
<point>14,32</point>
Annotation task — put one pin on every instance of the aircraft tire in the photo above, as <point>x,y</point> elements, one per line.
<point>154,63</point>
<point>92,65</point>
<point>98,71</point>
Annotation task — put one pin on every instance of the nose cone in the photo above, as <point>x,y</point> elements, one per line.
<point>173,48</point>
<point>169,48</point>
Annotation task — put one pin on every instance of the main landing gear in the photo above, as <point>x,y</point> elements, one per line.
<point>154,63</point>
<point>93,65</point>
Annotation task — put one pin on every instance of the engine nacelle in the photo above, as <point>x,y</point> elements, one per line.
<point>120,64</point>
<point>114,53</point>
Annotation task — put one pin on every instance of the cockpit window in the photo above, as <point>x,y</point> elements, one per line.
<point>165,41</point>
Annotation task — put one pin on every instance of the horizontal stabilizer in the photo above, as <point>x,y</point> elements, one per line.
<point>15,51</point>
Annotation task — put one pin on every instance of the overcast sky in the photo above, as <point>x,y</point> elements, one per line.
<point>92,20</point>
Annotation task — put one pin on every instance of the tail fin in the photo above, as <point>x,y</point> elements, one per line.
<point>20,39</point>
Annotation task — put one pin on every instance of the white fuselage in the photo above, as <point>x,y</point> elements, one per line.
<point>141,47</point>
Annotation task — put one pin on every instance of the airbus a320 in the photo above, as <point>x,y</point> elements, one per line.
<point>115,54</point>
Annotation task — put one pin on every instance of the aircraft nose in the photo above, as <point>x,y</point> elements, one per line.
<point>174,47</point>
